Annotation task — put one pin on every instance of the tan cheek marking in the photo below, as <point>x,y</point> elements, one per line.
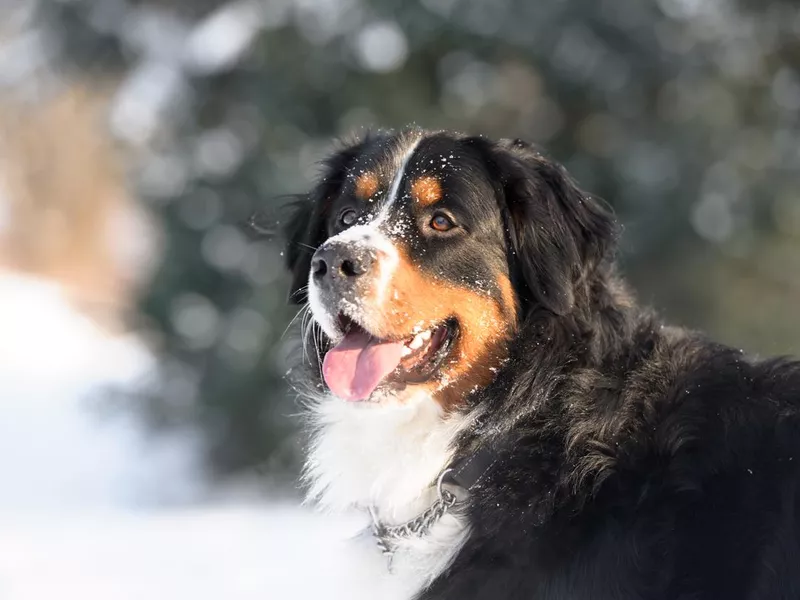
<point>367,185</point>
<point>509,298</point>
<point>414,301</point>
<point>426,190</point>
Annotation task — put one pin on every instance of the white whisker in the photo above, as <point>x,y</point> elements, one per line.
<point>305,308</point>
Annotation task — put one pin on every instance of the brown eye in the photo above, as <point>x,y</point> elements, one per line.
<point>442,223</point>
<point>348,217</point>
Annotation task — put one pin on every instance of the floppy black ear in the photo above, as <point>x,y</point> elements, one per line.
<point>305,230</point>
<point>298,256</point>
<point>557,232</point>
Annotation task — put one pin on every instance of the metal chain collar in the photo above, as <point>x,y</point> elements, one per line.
<point>387,537</point>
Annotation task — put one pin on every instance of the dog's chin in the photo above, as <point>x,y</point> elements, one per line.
<point>425,354</point>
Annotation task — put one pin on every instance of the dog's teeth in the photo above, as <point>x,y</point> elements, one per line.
<point>406,351</point>
<point>416,342</point>
<point>425,335</point>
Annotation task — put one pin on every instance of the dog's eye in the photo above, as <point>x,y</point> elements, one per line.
<point>348,217</point>
<point>442,223</point>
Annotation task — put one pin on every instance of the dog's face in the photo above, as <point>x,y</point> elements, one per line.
<point>419,253</point>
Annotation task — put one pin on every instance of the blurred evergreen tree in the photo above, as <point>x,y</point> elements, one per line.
<point>682,114</point>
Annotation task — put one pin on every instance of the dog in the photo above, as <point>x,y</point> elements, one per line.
<point>479,378</point>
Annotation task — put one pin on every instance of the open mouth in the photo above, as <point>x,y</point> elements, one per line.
<point>361,362</point>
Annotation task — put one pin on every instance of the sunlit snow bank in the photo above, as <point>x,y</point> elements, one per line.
<point>235,553</point>
<point>55,452</point>
<point>94,508</point>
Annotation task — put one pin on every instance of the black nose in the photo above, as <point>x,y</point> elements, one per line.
<point>343,261</point>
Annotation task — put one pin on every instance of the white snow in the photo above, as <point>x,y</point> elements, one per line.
<point>233,552</point>
<point>94,508</point>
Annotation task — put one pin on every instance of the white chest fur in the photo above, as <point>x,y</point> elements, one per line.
<point>387,457</point>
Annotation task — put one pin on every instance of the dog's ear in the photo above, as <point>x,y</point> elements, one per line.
<point>557,233</point>
<point>298,237</point>
<point>305,229</point>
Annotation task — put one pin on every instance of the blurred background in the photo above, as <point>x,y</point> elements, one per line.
<point>147,438</point>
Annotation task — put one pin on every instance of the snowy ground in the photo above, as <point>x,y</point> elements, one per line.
<point>233,552</point>
<point>79,495</point>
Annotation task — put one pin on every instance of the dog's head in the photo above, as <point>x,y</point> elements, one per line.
<point>419,254</point>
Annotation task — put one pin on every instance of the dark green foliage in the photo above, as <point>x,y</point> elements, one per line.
<point>683,115</point>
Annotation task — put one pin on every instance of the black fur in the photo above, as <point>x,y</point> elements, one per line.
<point>638,461</point>
<point>556,230</point>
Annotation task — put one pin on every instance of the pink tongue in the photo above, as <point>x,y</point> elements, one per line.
<point>356,365</point>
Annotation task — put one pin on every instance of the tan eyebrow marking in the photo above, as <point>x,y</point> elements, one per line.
<point>366,185</point>
<point>426,190</point>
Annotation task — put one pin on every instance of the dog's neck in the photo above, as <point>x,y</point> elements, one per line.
<point>386,457</point>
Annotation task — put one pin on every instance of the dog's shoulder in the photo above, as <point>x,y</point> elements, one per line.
<point>702,408</point>
<point>676,409</point>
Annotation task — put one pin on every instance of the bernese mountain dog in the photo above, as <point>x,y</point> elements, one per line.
<point>483,385</point>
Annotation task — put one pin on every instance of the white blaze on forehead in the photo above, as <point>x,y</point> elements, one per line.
<point>394,189</point>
